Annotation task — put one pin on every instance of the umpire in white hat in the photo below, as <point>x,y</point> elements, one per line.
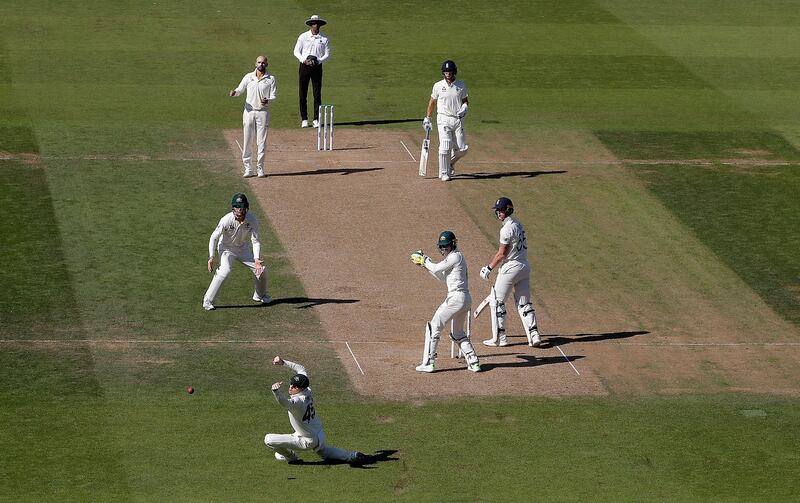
<point>312,50</point>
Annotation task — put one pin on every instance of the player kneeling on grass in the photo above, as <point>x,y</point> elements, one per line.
<point>236,238</point>
<point>453,271</point>
<point>308,434</point>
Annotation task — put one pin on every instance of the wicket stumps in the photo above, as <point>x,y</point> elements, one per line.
<point>453,343</point>
<point>325,128</point>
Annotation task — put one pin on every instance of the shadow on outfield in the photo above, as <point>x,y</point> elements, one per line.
<point>376,122</point>
<point>561,340</point>
<point>380,456</point>
<point>505,174</point>
<point>525,361</point>
<point>326,171</point>
<point>307,302</point>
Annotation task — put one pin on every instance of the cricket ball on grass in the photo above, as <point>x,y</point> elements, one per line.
<point>190,390</point>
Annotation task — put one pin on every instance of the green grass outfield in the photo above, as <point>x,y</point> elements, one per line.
<point>104,247</point>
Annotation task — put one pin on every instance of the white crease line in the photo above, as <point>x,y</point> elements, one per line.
<point>570,363</point>
<point>409,152</point>
<point>240,147</point>
<point>354,358</point>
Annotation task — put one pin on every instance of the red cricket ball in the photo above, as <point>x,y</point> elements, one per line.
<point>190,390</point>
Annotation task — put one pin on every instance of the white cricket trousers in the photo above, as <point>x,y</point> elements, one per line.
<point>286,444</point>
<point>452,141</point>
<point>514,275</point>
<point>226,259</point>
<point>256,127</point>
<point>456,307</point>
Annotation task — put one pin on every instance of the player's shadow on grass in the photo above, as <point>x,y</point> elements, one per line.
<point>305,301</point>
<point>381,456</point>
<point>551,341</point>
<point>526,361</point>
<point>504,174</point>
<point>376,122</point>
<point>326,171</point>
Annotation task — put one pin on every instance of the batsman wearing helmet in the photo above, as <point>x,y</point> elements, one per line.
<point>514,273</point>
<point>236,238</point>
<point>456,306</point>
<point>449,96</point>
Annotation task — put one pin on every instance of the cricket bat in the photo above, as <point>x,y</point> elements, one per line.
<point>483,304</point>
<point>423,155</point>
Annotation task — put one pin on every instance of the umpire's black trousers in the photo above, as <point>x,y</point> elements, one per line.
<point>314,74</point>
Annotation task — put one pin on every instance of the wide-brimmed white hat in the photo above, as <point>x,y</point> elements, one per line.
<point>316,18</point>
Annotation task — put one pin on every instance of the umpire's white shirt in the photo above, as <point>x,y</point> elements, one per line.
<point>452,270</point>
<point>309,44</point>
<point>449,97</point>
<point>257,88</point>
<point>238,238</point>
<point>512,234</point>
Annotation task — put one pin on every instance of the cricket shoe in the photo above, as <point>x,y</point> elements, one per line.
<point>291,460</point>
<point>304,124</point>
<point>474,367</point>
<point>261,173</point>
<point>429,367</point>
<point>249,174</point>
<point>536,340</point>
<point>359,459</point>
<point>445,178</point>
<point>491,342</point>
<point>315,124</point>
<point>208,306</point>
<point>264,300</point>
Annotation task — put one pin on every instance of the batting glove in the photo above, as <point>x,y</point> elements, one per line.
<point>462,112</point>
<point>426,123</point>
<point>485,272</point>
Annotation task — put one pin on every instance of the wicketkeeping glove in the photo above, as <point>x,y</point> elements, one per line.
<point>485,272</point>
<point>426,123</point>
<point>462,112</point>
<point>418,258</point>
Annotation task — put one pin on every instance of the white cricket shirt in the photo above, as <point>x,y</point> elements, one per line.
<point>449,96</point>
<point>236,237</point>
<point>300,407</point>
<point>257,88</point>
<point>452,270</point>
<point>513,234</point>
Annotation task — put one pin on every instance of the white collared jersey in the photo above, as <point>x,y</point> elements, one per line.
<point>236,237</point>
<point>513,234</point>
<point>449,97</point>
<point>265,87</point>
<point>452,270</point>
<point>309,44</point>
<point>300,407</point>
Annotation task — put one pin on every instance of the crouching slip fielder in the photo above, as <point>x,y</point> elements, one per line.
<point>453,271</point>
<point>308,434</point>
<point>514,273</point>
<point>236,238</point>
<point>449,96</point>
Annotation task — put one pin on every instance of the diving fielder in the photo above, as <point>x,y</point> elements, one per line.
<point>514,273</point>
<point>236,238</point>
<point>308,434</point>
<point>456,306</point>
<point>449,96</point>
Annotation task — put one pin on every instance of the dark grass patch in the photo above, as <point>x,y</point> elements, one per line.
<point>712,145</point>
<point>36,297</point>
<point>560,71</point>
<point>17,139</point>
<point>748,216</point>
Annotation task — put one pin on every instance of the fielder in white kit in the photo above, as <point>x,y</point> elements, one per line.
<point>456,306</point>
<point>308,433</point>
<point>449,96</point>
<point>514,273</point>
<point>261,89</point>
<point>236,238</point>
